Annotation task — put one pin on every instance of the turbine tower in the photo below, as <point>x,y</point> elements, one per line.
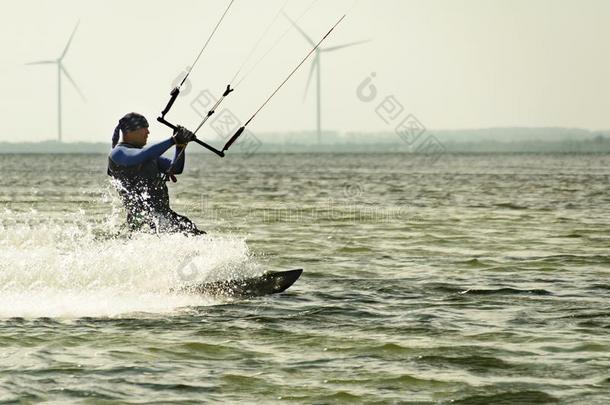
<point>61,69</point>
<point>315,65</point>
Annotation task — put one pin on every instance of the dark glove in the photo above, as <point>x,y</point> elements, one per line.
<point>182,136</point>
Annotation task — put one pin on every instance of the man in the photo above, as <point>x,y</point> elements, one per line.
<point>139,174</point>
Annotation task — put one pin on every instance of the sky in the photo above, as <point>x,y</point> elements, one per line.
<point>452,64</point>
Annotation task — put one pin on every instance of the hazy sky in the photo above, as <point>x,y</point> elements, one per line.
<point>451,63</point>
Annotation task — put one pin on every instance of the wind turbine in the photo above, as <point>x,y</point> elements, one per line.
<point>315,65</point>
<point>61,69</point>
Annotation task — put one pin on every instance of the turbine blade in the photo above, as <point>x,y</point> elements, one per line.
<point>334,48</point>
<point>69,41</point>
<point>42,62</point>
<point>314,64</point>
<point>294,24</point>
<point>63,69</point>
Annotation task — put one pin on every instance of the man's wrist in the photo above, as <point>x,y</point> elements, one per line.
<point>175,142</point>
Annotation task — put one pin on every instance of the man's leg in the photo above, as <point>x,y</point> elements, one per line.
<point>180,223</point>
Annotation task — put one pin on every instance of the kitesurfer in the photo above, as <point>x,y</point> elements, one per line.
<point>139,173</point>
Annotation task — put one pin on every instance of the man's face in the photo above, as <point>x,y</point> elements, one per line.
<point>137,137</point>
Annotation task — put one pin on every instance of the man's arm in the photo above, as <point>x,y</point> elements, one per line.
<point>134,156</point>
<point>164,163</point>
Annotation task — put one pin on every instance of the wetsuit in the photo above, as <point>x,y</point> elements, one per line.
<point>138,174</point>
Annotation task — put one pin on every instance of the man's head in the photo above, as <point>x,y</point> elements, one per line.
<point>135,130</point>
<point>136,137</point>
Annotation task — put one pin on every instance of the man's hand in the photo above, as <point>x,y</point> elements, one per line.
<point>183,136</point>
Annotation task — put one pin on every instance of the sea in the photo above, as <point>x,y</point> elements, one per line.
<point>446,279</point>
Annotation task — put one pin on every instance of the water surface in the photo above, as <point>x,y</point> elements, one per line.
<point>477,279</point>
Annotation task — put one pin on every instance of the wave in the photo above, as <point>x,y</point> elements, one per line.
<point>527,397</point>
<point>507,291</point>
<point>56,269</point>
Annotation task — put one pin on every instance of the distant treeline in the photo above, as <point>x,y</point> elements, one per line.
<point>501,140</point>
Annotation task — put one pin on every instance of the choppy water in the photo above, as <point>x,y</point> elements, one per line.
<point>476,280</point>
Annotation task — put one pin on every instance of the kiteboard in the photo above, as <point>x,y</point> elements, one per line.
<point>269,283</point>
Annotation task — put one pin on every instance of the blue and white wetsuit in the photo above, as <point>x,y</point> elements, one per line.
<point>139,178</point>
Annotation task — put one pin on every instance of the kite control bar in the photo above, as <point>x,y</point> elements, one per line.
<point>174,94</point>
<point>176,91</point>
